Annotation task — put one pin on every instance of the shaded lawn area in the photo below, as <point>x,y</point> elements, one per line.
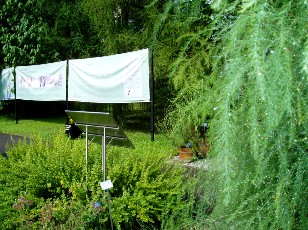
<point>47,127</point>
<point>32,127</point>
<point>7,140</point>
<point>11,133</point>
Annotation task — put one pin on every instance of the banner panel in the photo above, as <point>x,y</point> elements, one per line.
<point>45,82</point>
<point>121,78</point>
<point>7,84</point>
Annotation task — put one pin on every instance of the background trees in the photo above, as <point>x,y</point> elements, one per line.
<point>69,33</point>
<point>22,32</point>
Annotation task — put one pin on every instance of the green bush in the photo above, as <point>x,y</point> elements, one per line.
<point>41,172</point>
<point>43,184</point>
<point>146,186</point>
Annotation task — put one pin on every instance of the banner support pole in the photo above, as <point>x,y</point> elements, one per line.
<point>152,93</point>
<point>66,83</point>
<point>15,92</point>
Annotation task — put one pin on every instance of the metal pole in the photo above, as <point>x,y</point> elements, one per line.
<point>87,155</point>
<point>152,93</point>
<point>66,83</point>
<point>104,154</point>
<point>109,198</point>
<point>15,92</point>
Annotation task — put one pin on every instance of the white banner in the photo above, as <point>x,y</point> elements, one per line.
<point>7,84</point>
<point>121,78</point>
<point>45,82</point>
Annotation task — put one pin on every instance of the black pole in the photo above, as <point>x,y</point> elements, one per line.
<point>14,74</point>
<point>66,83</point>
<point>152,93</point>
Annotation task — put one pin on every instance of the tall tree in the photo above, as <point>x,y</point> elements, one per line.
<point>69,33</point>
<point>183,41</point>
<point>122,26</point>
<point>254,92</point>
<point>21,33</point>
<point>262,115</point>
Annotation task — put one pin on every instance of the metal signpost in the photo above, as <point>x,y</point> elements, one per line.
<point>101,128</point>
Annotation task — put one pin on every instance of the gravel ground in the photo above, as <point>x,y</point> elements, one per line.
<point>198,164</point>
<point>7,140</point>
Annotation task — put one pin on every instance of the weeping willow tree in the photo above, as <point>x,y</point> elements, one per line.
<point>251,81</point>
<point>261,121</point>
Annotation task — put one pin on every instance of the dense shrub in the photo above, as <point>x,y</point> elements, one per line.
<point>43,185</point>
<point>147,187</point>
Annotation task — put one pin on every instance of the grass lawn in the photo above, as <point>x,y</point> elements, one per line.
<point>49,126</point>
<point>30,127</point>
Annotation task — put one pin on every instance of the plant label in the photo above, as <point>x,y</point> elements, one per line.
<point>106,184</point>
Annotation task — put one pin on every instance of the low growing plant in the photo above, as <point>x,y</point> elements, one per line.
<point>43,184</point>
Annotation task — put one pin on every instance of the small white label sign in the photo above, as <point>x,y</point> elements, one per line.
<point>106,184</point>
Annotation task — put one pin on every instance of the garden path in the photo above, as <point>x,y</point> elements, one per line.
<point>7,140</point>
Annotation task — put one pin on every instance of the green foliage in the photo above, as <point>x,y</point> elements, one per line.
<point>261,118</point>
<point>255,96</point>
<point>187,64</point>
<point>200,203</point>
<point>43,184</point>
<point>125,26</point>
<point>41,172</point>
<point>147,185</point>
<point>69,31</point>
<point>21,33</point>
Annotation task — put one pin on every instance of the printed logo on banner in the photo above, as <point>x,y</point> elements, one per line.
<point>45,82</point>
<point>48,81</point>
<point>51,81</point>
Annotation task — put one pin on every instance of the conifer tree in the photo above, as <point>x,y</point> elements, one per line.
<point>261,121</point>
<point>254,90</point>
